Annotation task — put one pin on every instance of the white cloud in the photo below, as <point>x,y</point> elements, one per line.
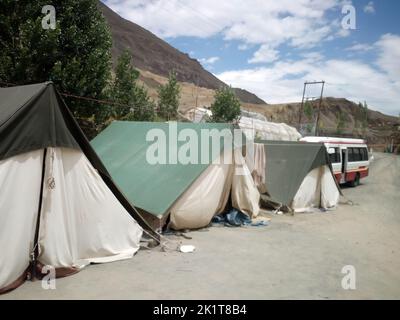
<point>343,33</point>
<point>211,60</point>
<point>369,8</point>
<point>360,47</point>
<point>389,55</point>
<point>265,54</point>
<point>312,56</point>
<point>300,23</point>
<point>244,47</point>
<point>351,79</point>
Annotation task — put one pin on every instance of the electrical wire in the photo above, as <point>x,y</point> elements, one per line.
<point>201,15</point>
<point>101,101</point>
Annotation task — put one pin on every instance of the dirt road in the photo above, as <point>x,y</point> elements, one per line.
<point>295,257</point>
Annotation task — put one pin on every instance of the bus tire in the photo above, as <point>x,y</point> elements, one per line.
<point>356,181</point>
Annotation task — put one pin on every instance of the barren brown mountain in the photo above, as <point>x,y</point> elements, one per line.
<point>153,54</point>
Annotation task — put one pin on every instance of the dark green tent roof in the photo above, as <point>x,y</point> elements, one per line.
<point>35,117</point>
<point>153,188</point>
<point>287,164</point>
<point>32,118</point>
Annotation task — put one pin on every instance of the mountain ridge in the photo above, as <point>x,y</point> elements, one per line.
<point>381,128</point>
<point>153,54</point>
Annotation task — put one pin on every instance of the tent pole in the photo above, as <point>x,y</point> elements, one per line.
<point>35,252</point>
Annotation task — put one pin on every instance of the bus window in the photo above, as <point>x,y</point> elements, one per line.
<point>350,157</point>
<point>364,154</point>
<point>356,154</point>
<point>335,157</point>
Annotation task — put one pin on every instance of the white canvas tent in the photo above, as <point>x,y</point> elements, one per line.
<point>318,190</point>
<point>209,194</point>
<point>58,205</point>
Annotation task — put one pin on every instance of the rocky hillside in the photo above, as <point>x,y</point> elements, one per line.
<point>379,130</point>
<point>153,54</point>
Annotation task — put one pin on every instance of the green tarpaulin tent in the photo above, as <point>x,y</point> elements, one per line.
<point>288,164</point>
<point>155,188</point>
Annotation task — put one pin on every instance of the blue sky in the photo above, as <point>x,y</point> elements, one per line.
<point>271,47</point>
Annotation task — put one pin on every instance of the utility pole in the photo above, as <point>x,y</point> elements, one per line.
<point>197,90</point>
<point>302,105</point>
<point>319,109</point>
<point>307,83</point>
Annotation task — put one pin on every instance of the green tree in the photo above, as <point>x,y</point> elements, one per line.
<point>356,128</point>
<point>144,106</point>
<point>123,88</point>
<point>226,107</point>
<point>340,122</point>
<point>398,128</point>
<point>308,110</point>
<point>309,128</point>
<point>168,98</point>
<point>75,56</point>
<point>321,127</point>
<point>364,119</point>
<point>133,100</point>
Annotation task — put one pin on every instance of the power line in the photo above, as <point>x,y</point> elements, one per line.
<point>188,21</point>
<point>101,101</point>
<point>202,16</point>
<point>95,100</point>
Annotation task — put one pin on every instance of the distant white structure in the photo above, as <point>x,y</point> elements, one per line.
<point>253,115</point>
<point>200,115</point>
<point>265,130</point>
<point>254,126</point>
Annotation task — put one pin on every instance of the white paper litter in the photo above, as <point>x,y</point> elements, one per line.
<point>187,248</point>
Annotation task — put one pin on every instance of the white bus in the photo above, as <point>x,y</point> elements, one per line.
<point>349,158</point>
